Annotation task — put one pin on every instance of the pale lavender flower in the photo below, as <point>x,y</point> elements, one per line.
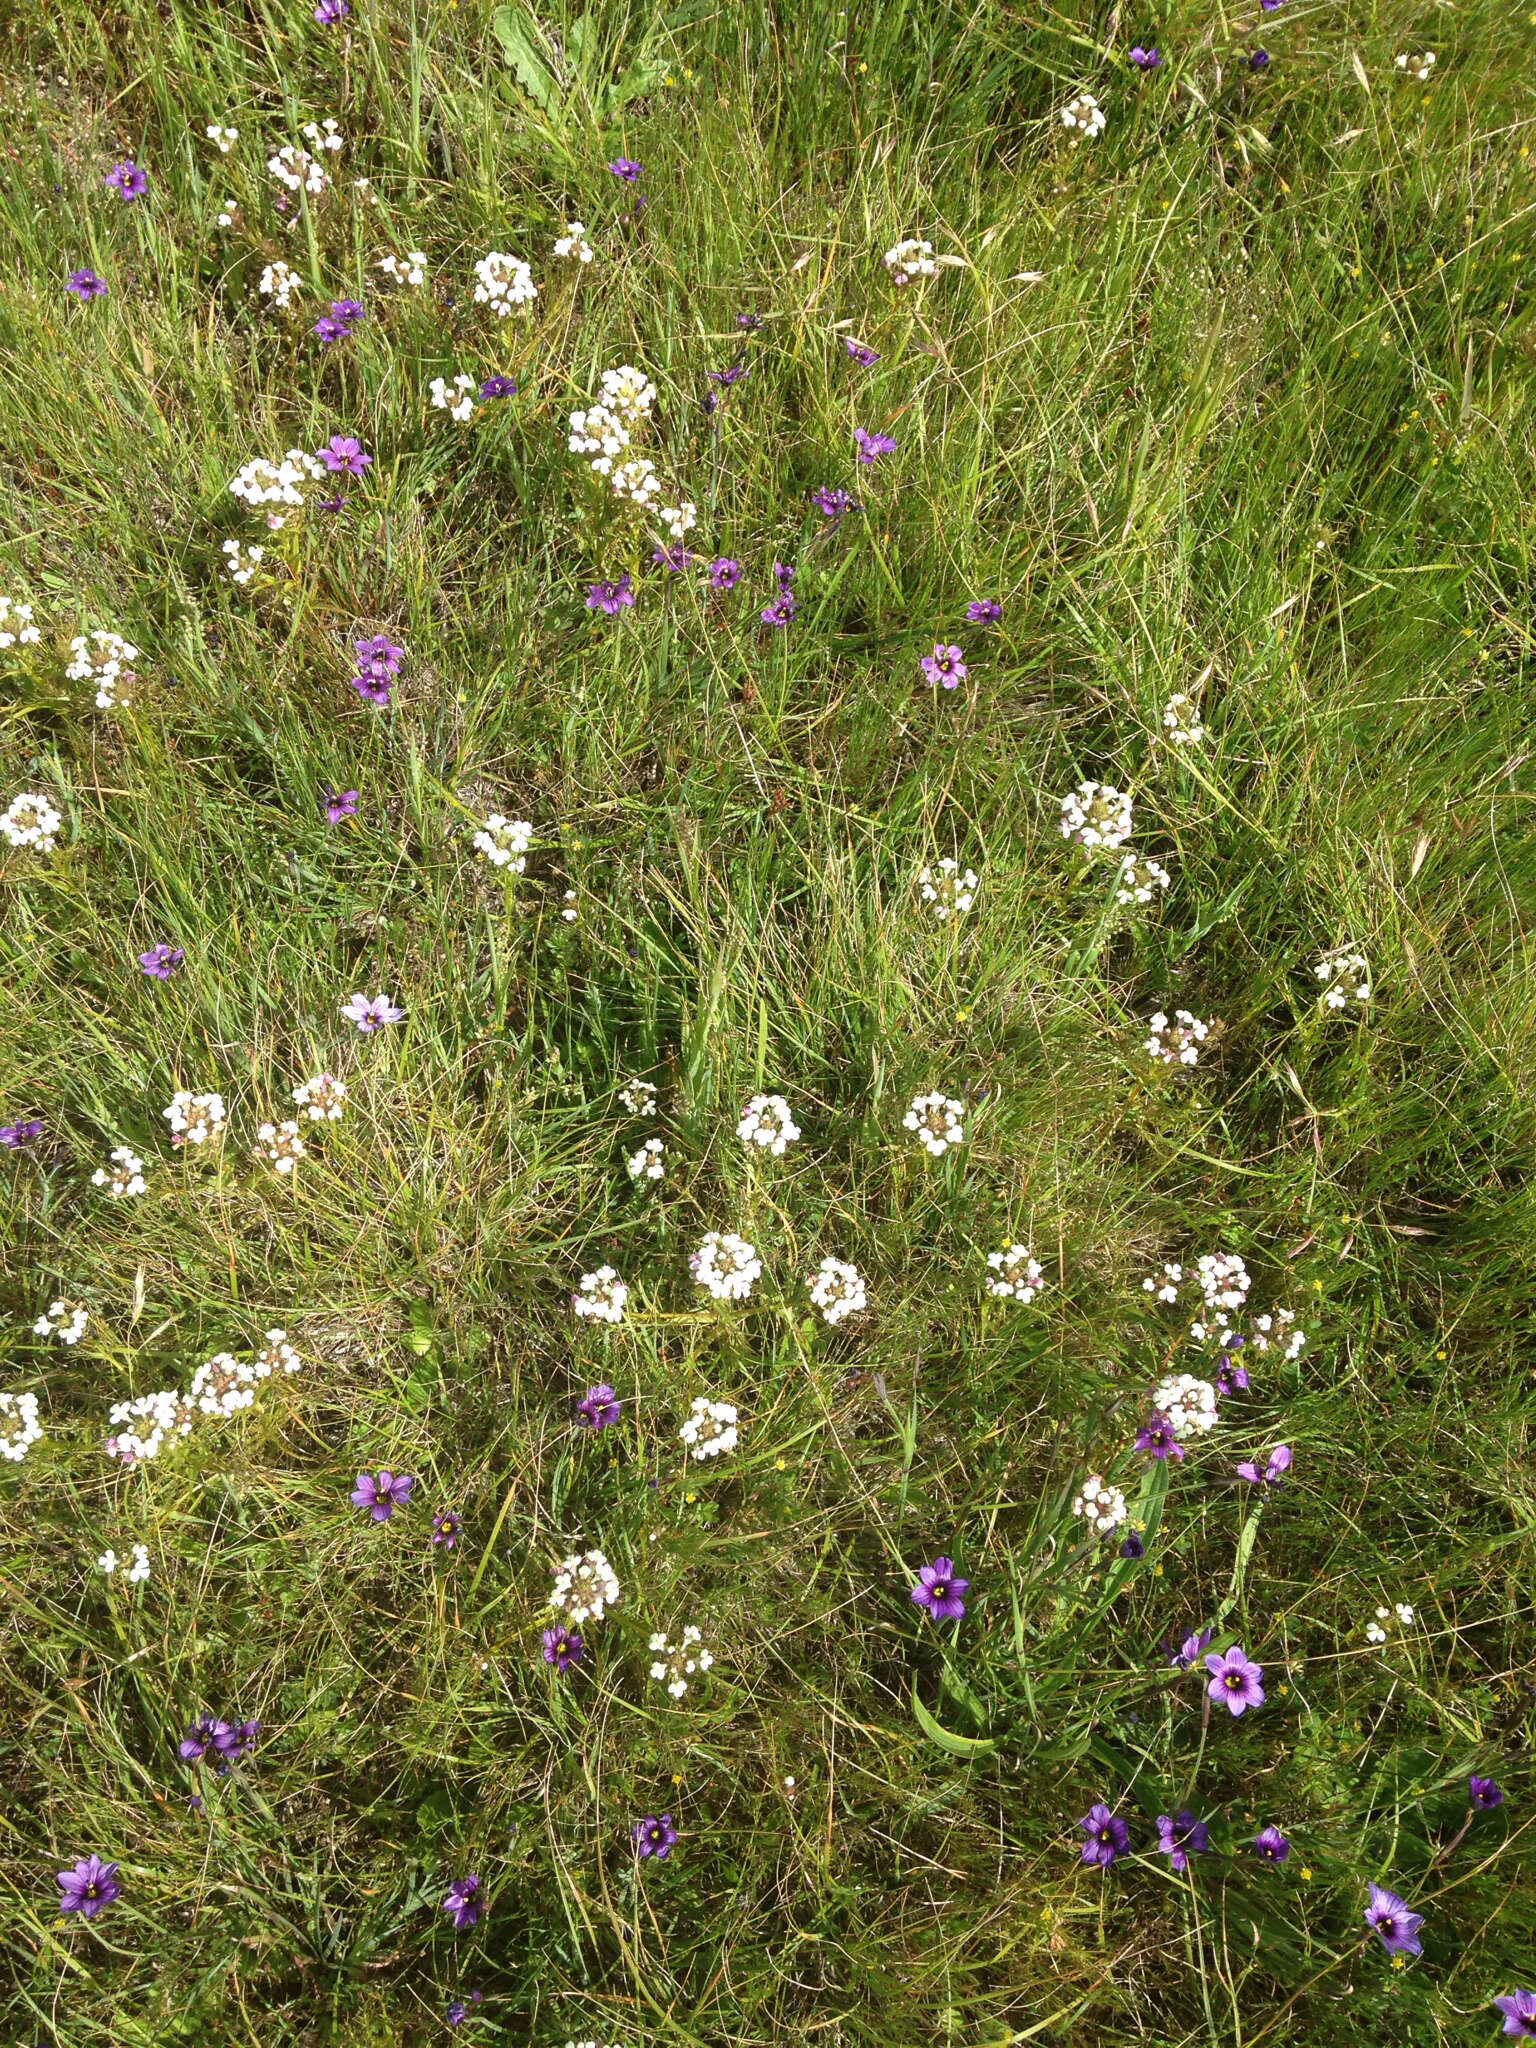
<point>871,445</point>
<point>1235,1679</point>
<point>370,1013</point>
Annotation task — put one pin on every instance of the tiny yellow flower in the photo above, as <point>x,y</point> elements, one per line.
<point>690,1496</point>
<point>1306,1873</point>
<point>780,1465</point>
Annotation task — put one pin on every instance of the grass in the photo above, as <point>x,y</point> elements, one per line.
<point>1239,392</point>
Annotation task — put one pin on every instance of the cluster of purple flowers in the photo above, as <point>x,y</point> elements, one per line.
<point>782,608</point>
<point>340,321</point>
<point>378,663</point>
<point>14,1136</point>
<point>1106,1838</point>
<point>230,1741</point>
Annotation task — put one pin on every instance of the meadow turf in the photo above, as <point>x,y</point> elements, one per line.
<point>1234,400</point>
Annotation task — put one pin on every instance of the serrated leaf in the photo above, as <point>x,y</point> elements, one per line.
<point>956,1745</point>
<point>519,37</point>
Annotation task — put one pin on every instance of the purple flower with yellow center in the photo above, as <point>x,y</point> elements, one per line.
<point>1185,1657</point>
<point>85,284</point>
<point>1235,1679</point>
<point>1275,1469</point>
<point>611,597</point>
<point>1106,1836</point>
<point>938,1590</point>
<point>344,454</point>
<point>162,961</point>
<point>1271,1844</point>
<point>339,804</point>
<point>204,1732</point>
<point>89,1887</point>
<point>655,1836</point>
<point>983,611</point>
<point>374,692</point>
<point>130,183</point>
<point>1393,1920</point>
<point>724,573</point>
<point>498,387</point>
<point>626,168</point>
<point>862,354</point>
<point>235,1741</point>
<point>370,1013</point>
<point>1519,2010</point>
<point>378,658</point>
<point>463,1901</point>
<point>328,12</point>
<point>1231,1378</point>
<point>945,665</point>
<point>1485,1793</point>
<point>446,1524</point>
<point>781,611</point>
<point>674,558</point>
<point>1147,60</point>
<point>871,445</point>
<point>563,1647</point>
<point>1180,1836</point>
<point>14,1136</point>
<point>382,1492</point>
<point>834,504</point>
<point>1156,1436</point>
<point>598,1407</point>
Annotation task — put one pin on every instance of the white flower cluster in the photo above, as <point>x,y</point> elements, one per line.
<point>1417,67</point>
<point>126,1174</point>
<point>909,259</point>
<point>1083,117</point>
<point>838,1290</point>
<point>1188,1403</point>
<point>938,1121</point>
<point>1346,978</point>
<point>409,269</point>
<point>1015,1274</point>
<point>677,1662</point>
<point>30,821</point>
<point>1400,1612</point>
<point>504,842</point>
<point>647,1163</point>
<point>1096,814</point>
<point>710,1430</point>
<point>503,283</point>
<point>949,888</point>
<point>261,482</point>
<point>223,139</point>
<point>16,627</point>
<point>679,520</point>
<point>1224,1279</point>
<point>1101,1505</point>
<point>1140,880</point>
<point>1277,1329</point>
<point>299,169</point>
<point>601,1294</point>
<point>105,659</point>
<point>766,1123</point>
<point>64,1320</point>
<point>242,563</point>
<point>322,1098</point>
<point>138,1571</point>
<point>19,1426</point>
<point>456,399</point>
<point>606,429</point>
<point>639,1097</point>
<point>1178,1043</point>
<point>1166,1284</point>
<point>195,1119</point>
<point>1181,720</point>
<point>279,1146</point>
<point>278,283</point>
<point>573,245</point>
<point>222,1386</point>
<point>726,1265</point>
<point>585,1588</point>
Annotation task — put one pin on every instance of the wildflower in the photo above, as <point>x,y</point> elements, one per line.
<point>1519,2010</point>
<point>563,1647</point>
<point>455,399</point>
<point>1259,61</point>
<point>30,821</point>
<point>463,1902</point>
<point>724,573</point>
<point>382,1492</point>
<point>1417,68</point>
<point>601,1294</point>
<point>679,519</point>
<point>242,563</point>
<point>1107,1836</point>
<point>909,259</point>
<point>200,1737</point>
<point>1140,880</point>
<point>261,482</point>
<point>984,611</point>
<point>938,1590</point>
<point>14,1136</point>
<point>339,804</point>
<point>279,1146</point>
<point>1176,1044</point>
<point>1392,1919</point>
<point>279,1355</point>
<point>498,387</point>
<point>937,1121</point>
<point>709,1430</point>
<point>446,1524</point>
<point>322,1098</point>
<point>951,890</point>
<point>1157,1436</point>
<point>1096,814</point>
<point>1189,1651</point>
<point>1235,1679</point>
<point>647,1163</point>
<point>138,1571</point>
<point>1189,1404</point>
<point>1484,1793</point>
<point>585,1588</point>
<point>1231,1377</point>
<point>223,139</point>
<point>278,283</point>
<point>298,170</point>
<point>16,627</point>
<point>1181,720</point>
<point>1180,1836</point>
<point>126,1176</point>
<point>568,907</point>
<point>626,168</point>
<point>1133,1546</point>
<point>639,1097</point>
<point>1224,1280</point>
<point>504,283</point>
<point>655,1835</point>
<point>504,842</point>
<point>611,597</point>
<point>329,12</point>
<point>233,1742</point>
<point>344,454</point>
<point>730,376</point>
<point>64,1320</point>
<point>945,665</point>
<point>128,181</point>
<point>598,1408</point>
<point>838,1290</point>
<point>766,1123</point>
<point>339,322</point>
<point>726,1265</point>
<point>1271,1844</point>
<point>834,504</point>
<point>673,559</point>
<point>19,1426</point>
<point>1148,60</point>
<point>872,445</point>
<point>161,961</point>
<point>1101,1505</point>
<point>104,659</point>
<point>85,285</point>
<point>1165,1285</point>
<point>410,269</point>
<point>107,1563</point>
<point>1278,1465</point>
<point>675,1663</point>
<point>781,610</point>
<point>1083,117</point>
<point>89,1887</point>
<point>862,354</point>
<point>370,1013</point>
<point>1014,1274</point>
<point>1347,979</point>
<point>573,245</point>
<point>637,479</point>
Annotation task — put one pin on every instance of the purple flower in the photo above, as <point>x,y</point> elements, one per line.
<point>865,357</point>
<point>379,657</point>
<point>733,375</point>
<point>382,1492</point>
<point>331,11</point>
<point>750,322</point>
<point>131,183</point>
<point>1519,2010</point>
<point>1259,61</point>
<point>983,611</point>
<point>85,284</point>
<point>835,504</point>
<point>674,558</point>
<point>88,1887</point>
<point>871,445</point>
<point>1148,60</point>
<point>340,321</point>
<point>1392,1920</point>
<point>1271,1844</point>
<point>626,168</point>
<point>724,573</point>
<point>457,2013</point>
<point>711,404</point>
<point>1156,1435</point>
<point>204,1732</point>
<point>1274,1471</point>
<point>1231,1378</point>
<point>14,1136</point>
<point>945,665</point>
<point>376,693</point>
<point>1235,1679</point>
<point>370,1013</point>
<point>343,454</point>
<point>1107,1835</point>
<point>1133,1546</point>
<point>234,1741</point>
<point>498,387</point>
<point>1180,1836</point>
<point>784,574</point>
<point>1485,1793</point>
<point>1271,6</point>
<point>781,611</point>
<point>339,804</point>
<point>938,1590</point>
<point>598,1407</point>
<point>563,1647</point>
<point>654,1836</point>
<point>333,504</point>
<point>162,961</point>
<point>1187,1654</point>
<point>446,1525</point>
<point>463,1901</point>
<point>610,597</point>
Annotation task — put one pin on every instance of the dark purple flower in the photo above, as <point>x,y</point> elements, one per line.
<point>378,658</point>
<point>835,504</point>
<point>498,387</point>
<point>1392,1920</point>
<point>14,1136</point>
<point>382,1492</point>
<point>711,404</point>
<point>871,445</point>
<point>339,804</point>
<point>863,355</point>
<point>204,1732</point>
<point>1271,1844</point>
<point>1235,1679</point>
<point>343,454</point>
<point>1180,1836</point>
<point>1156,1435</point>
<point>563,1647</point>
<point>611,597</point>
<point>234,1741</point>
<point>784,574</point>
<point>938,1590</point>
<point>446,1525</point>
<point>598,1407</point>
<point>88,1887</point>
<point>130,183</point>
<point>626,168</point>
<point>1106,1835</point>
<point>1148,60</point>
<point>750,322</point>
<point>733,375</point>
<point>331,11</point>
<point>85,284</point>
<point>781,611</point>
<point>1485,1793</point>
<point>162,961</point>
<point>376,693</point>
<point>457,2013</point>
<point>1133,1546</point>
<point>1279,1463</point>
<point>1519,2010</point>
<point>654,1836</point>
<point>724,573</point>
<point>1259,61</point>
<point>333,504</point>
<point>1271,6</point>
<point>340,321</point>
<point>1231,1378</point>
<point>1187,1654</point>
<point>463,1901</point>
<point>674,558</point>
<point>945,665</point>
<point>983,611</point>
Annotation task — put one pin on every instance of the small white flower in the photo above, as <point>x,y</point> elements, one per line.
<point>16,627</point>
<point>504,283</point>
<point>1223,1279</point>
<point>710,1429</point>
<point>162,1414</point>
<point>1346,978</point>
<point>585,1588</point>
<point>195,1119</point>
<point>107,1562</point>
<point>31,821</point>
<point>1418,67</point>
<point>1015,1274</point>
<point>126,1176</point>
<point>1403,1612</point>
<point>19,1426</point>
<point>504,842</point>
<point>241,562</point>
<point>1083,117</point>
<point>909,259</point>
<point>629,392</point>
<point>601,1294</point>
<point>950,890</point>
<point>1166,1284</point>
<point>278,1356</point>
<point>636,479</point>
<point>639,1097</point>
<point>64,1320</point>
<point>1374,1632</point>
<point>287,483</point>
<point>106,659</point>
<point>646,1164</point>
<point>279,1146</point>
<point>838,1290</point>
<point>410,269</point>
<point>573,245</point>
<point>938,1121</point>
<point>1181,720</point>
<point>1096,814</point>
<point>223,139</point>
<point>455,399</point>
<point>139,1570</point>
<point>277,282</point>
<point>363,187</point>
<point>726,1265</point>
<point>568,910</point>
<point>326,137</point>
<point>1178,1043</point>
<point>767,1126</point>
<point>1101,1506</point>
<point>1140,880</point>
<point>679,520</point>
<point>322,1098</point>
<point>298,170</point>
<point>675,1663</point>
<point>1188,1403</point>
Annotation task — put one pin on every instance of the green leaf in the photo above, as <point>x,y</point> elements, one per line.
<point>957,1745</point>
<point>528,56</point>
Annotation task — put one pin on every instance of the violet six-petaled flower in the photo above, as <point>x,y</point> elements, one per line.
<point>85,284</point>
<point>1156,1437</point>
<point>162,961</point>
<point>344,454</point>
<point>598,1407</point>
<point>871,445</point>
<point>1180,1836</point>
<point>463,1901</point>
<point>983,611</point>
<point>1395,1922</point>
<point>945,665</point>
<point>339,804</point>
<point>626,168</point>
<point>446,1524</point>
<point>1106,1836</point>
<point>1271,1844</point>
<point>938,1590</point>
<point>129,181</point>
<point>1484,1793</point>
<point>1187,1655</point>
<point>1519,2010</point>
<point>14,1136</point>
<point>611,597</point>
<point>563,1647</point>
<point>370,1013</point>
<point>654,1836</point>
<point>382,1492</point>
<point>861,353</point>
<point>1235,1679</point>
<point>724,573</point>
<point>89,1887</point>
